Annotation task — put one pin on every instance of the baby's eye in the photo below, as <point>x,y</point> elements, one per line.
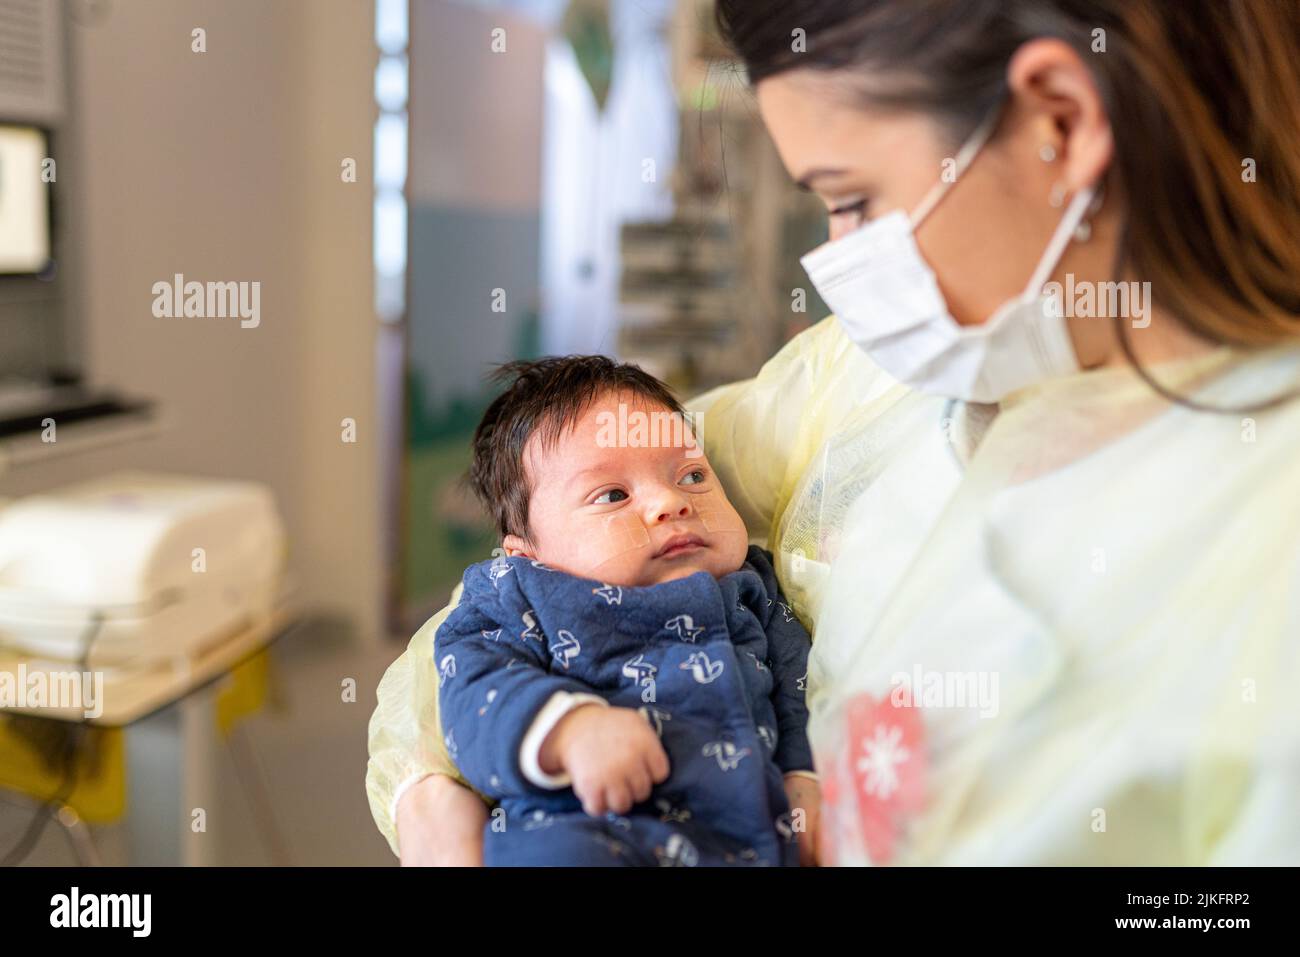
<point>693,478</point>
<point>608,498</point>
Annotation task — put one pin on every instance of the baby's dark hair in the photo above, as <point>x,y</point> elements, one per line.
<point>547,397</point>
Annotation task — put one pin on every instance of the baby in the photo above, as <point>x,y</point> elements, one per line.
<point>626,680</point>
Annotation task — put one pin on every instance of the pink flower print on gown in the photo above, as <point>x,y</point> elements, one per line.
<point>877,784</point>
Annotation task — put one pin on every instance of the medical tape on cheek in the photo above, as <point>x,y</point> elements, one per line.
<point>717,516</point>
<point>619,534</point>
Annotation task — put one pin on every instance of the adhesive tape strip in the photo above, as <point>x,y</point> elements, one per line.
<point>717,516</point>
<point>621,534</point>
<point>719,520</point>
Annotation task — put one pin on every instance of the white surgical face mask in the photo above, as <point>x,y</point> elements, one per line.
<point>880,287</point>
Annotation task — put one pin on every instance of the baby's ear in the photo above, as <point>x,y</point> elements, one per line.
<point>516,546</point>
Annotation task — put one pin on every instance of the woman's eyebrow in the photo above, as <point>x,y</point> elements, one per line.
<point>805,182</point>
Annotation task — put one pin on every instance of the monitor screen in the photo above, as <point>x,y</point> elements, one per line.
<point>24,200</point>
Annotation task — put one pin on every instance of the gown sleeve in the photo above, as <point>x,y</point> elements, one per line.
<point>405,734</point>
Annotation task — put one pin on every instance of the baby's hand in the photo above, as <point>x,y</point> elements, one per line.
<point>612,755</point>
<point>805,795</point>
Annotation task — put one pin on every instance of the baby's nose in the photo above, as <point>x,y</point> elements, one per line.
<point>671,507</point>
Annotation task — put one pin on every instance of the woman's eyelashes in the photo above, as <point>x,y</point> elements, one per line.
<point>849,216</point>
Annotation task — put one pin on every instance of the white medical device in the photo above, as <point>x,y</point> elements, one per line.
<point>24,200</point>
<point>168,564</point>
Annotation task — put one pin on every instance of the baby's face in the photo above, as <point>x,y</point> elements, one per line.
<point>628,507</point>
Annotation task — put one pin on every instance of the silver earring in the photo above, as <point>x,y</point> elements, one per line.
<point>1098,198</point>
<point>1083,232</point>
<point>1047,153</point>
<point>1057,197</point>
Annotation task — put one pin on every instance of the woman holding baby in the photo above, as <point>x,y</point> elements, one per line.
<point>1048,550</point>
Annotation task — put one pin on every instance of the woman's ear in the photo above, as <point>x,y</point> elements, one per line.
<point>514,545</point>
<point>1048,77</point>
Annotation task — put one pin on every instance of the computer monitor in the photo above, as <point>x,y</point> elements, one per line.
<point>24,200</point>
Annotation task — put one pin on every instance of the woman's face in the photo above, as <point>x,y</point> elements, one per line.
<point>989,231</point>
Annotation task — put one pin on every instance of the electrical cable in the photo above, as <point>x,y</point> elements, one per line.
<point>68,779</point>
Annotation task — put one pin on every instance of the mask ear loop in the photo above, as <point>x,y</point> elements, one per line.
<point>1060,239</point>
<point>965,156</point>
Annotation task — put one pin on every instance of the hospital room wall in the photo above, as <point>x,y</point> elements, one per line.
<point>225,166</point>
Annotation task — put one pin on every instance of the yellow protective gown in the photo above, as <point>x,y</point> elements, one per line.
<point>1119,576</point>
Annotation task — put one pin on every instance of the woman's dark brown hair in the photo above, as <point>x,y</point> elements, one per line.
<point>1203,98</point>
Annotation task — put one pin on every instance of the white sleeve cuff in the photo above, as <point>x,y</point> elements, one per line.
<point>530,750</point>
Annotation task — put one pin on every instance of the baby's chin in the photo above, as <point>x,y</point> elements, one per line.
<point>645,570</point>
<point>636,568</point>
<point>659,572</point>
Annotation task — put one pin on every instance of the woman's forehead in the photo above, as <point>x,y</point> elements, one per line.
<point>818,120</point>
